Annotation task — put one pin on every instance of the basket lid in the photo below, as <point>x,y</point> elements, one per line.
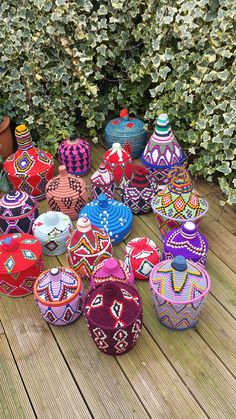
<point>109,214</point>
<point>112,270</point>
<point>178,199</point>
<point>102,176</point>
<point>18,252</point>
<point>117,155</point>
<point>51,223</point>
<point>125,126</point>
<point>57,285</point>
<point>65,185</point>
<point>142,248</point>
<point>75,142</point>
<point>140,179</point>
<point>112,305</point>
<point>16,203</point>
<point>179,280</point>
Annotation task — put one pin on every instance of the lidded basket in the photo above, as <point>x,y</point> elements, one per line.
<point>179,289</point>
<point>178,202</point>
<point>29,169</point>
<point>18,212</point>
<point>126,129</point>
<point>118,161</point>
<point>111,215</point>
<point>102,182</point>
<point>52,229</point>
<point>112,270</point>
<point>186,241</point>
<point>141,255</point>
<point>58,293</point>
<point>74,153</point>
<point>137,193</point>
<point>162,152</point>
<point>87,247</point>
<point>113,312</point>
<point>66,193</point>
<point>20,263</point>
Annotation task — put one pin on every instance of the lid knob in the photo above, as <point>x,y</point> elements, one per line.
<point>54,274</point>
<point>179,263</point>
<point>12,192</point>
<point>9,244</point>
<point>73,137</point>
<point>111,265</point>
<point>83,224</point>
<point>163,119</point>
<point>116,146</point>
<point>62,171</point>
<point>51,218</point>
<point>124,113</point>
<point>189,229</point>
<point>102,201</point>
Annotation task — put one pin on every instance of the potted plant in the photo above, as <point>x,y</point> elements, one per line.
<point>6,140</point>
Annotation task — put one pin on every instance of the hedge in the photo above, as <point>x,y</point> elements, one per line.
<point>68,63</point>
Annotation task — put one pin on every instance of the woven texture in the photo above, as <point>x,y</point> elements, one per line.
<point>29,169</point>
<point>114,316</point>
<point>126,129</point>
<point>179,295</point>
<point>102,182</point>
<point>141,255</point>
<point>112,270</point>
<point>74,153</point>
<point>112,216</point>
<point>18,212</point>
<point>20,264</point>
<point>59,295</point>
<point>118,161</point>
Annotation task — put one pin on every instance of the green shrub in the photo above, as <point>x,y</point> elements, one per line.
<point>68,61</point>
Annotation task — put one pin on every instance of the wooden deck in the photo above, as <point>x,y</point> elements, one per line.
<point>57,372</point>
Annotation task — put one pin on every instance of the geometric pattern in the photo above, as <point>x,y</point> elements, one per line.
<point>9,264</point>
<point>75,155</point>
<point>119,163</point>
<point>28,254</point>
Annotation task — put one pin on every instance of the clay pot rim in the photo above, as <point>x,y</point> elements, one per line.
<point>4,124</point>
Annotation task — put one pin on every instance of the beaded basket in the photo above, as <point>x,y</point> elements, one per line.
<point>113,312</point>
<point>126,129</point>
<point>66,193</point>
<point>118,161</point>
<point>58,293</point>
<point>179,289</point>
<point>20,264</point>
<point>74,153</point>
<point>29,169</point>
<point>141,255</point>
<point>112,270</point>
<point>18,212</point>
<point>102,182</point>
<point>112,216</point>
<point>186,241</point>
<point>178,202</point>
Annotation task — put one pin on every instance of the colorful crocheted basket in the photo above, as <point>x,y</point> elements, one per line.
<point>126,129</point>
<point>162,152</point>
<point>102,182</point>
<point>17,213</point>
<point>179,289</point>
<point>113,312</point>
<point>186,241</point>
<point>112,216</point>
<point>118,161</point>
<point>87,247</point>
<point>52,229</point>
<point>112,270</point>
<point>29,169</point>
<point>58,293</point>
<point>20,263</point>
<point>138,192</point>
<point>141,255</point>
<point>66,193</point>
<point>74,153</point>
<point>178,202</point>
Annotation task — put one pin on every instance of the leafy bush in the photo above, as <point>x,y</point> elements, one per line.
<point>68,61</point>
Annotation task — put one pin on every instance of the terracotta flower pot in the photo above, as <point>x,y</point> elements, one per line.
<point>6,142</point>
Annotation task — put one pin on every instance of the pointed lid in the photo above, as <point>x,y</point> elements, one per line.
<point>117,154</point>
<point>180,281</point>
<point>65,185</point>
<point>140,178</point>
<point>178,199</point>
<point>57,286</point>
<point>52,223</point>
<point>112,270</point>
<point>16,199</point>
<point>125,124</point>
<point>102,176</point>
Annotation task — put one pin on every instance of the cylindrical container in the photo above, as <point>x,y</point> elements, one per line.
<point>20,264</point>
<point>126,129</point>
<point>113,312</point>
<point>141,255</point>
<point>186,241</point>
<point>102,182</point>
<point>118,161</point>
<point>29,169</point>
<point>87,247</point>
<point>111,215</point>
<point>178,202</point>
<point>179,289</point>
<point>58,293</point>
<point>138,192</point>
<point>112,270</point>
<point>162,152</point>
<point>74,154</point>
<point>18,212</point>
<point>52,229</point>
<point>66,193</point>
